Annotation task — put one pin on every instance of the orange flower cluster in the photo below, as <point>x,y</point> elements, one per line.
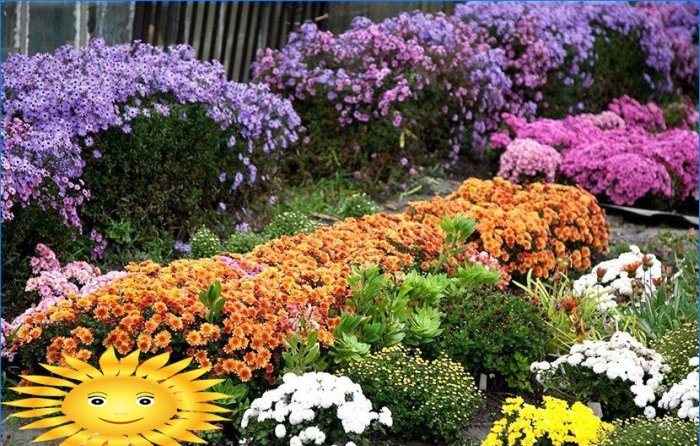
<point>526,227</point>
<point>156,308</point>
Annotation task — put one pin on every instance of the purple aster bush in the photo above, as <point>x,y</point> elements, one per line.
<point>419,87</point>
<point>631,158</point>
<point>564,57</point>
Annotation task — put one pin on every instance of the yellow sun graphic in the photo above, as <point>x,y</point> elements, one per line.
<point>122,403</point>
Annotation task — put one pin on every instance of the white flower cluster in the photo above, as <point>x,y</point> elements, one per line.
<point>614,279</point>
<point>621,357</point>
<point>684,395</point>
<point>294,402</point>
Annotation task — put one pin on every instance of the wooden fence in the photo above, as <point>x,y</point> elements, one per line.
<point>230,32</point>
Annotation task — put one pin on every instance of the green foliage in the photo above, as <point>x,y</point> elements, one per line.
<point>457,230</point>
<point>243,242</point>
<point>675,301</point>
<point>303,354</point>
<point>205,244</point>
<point>667,431</point>
<point>430,400</point>
<point>494,332</point>
<point>357,205</point>
<point>677,346</point>
<point>213,301</point>
<point>237,403</point>
<point>290,223</point>
<point>387,313</point>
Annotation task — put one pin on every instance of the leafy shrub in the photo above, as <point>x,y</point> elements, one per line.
<point>494,332</point>
<point>357,205</point>
<point>428,399</point>
<point>243,241</point>
<point>290,223</point>
<point>668,431</point>
<point>554,424</point>
<point>677,347</point>
<point>313,408</point>
<point>621,374</point>
<point>205,244</point>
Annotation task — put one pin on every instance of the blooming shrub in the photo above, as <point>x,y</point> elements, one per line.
<point>622,374</point>
<point>682,397</point>
<point>678,347</point>
<point>623,162</point>
<point>561,57</point>
<point>526,227</point>
<point>428,399</point>
<point>314,408</point>
<point>290,223</point>
<point>632,275</point>
<point>205,243</point>
<point>494,333</point>
<point>66,98</point>
<point>157,307</point>
<point>526,159</point>
<point>667,431</point>
<point>554,424</point>
<point>417,88</point>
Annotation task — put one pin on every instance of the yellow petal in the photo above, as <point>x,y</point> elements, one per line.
<point>202,384</point>
<point>39,391</point>
<point>203,407</point>
<point>128,364</point>
<point>153,364</point>
<point>199,416</point>
<point>203,397</point>
<point>181,434</point>
<point>109,363</point>
<point>59,432</point>
<point>78,439</point>
<point>82,366</point>
<point>167,372</point>
<point>48,380</point>
<point>34,402</point>
<point>118,441</point>
<point>46,422</point>
<point>35,412</point>
<point>160,439</point>
<point>137,440</point>
<point>66,372</point>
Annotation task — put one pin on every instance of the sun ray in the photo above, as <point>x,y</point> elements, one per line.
<point>109,363</point>
<point>46,422</point>
<point>78,439</point>
<point>82,366</point>
<point>59,432</point>
<point>137,440</point>
<point>160,439</point>
<point>96,440</point>
<point>47,380</point>
<point>120,440</point>
<point>203,407</point>
<point>34,402</point>
<point>199,416</point>
<point>33,413</point>
<point>128,364</point>
<point>181,433</point>
<point>198,426</point>
<point>172,369</point>
<point>203,397</point>
<point>203,384</point>
<point>188,376</point>
<point>39,391</point>
<point>66,372</point>
<point>151,365</point>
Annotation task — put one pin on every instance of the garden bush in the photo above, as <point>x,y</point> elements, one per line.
<point>428,399</point>
<point>290,223</point>
<point>157,307</point>
<point>621,374</point>
<point>205,243</point>
<point>554,424</point>
<point>357,205</point>
<point>494,333</point>
<point>678,347</point>
<point>243,241</point>
<point>668,431</point>
<point>314,408</point>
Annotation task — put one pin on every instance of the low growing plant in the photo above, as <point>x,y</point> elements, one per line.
<point>677,347</point>
<point>205,244</point>
<point>431,400</point>
<point>667,431</point>
<point>357,205</point>
<point>290,223</point>
<point>243,242</point>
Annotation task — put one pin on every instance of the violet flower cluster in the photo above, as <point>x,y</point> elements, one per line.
<point>389,72</point>
<point>612,155</point>
<point>545,41</point>
<point>54,283</point>
<point>54,104</point>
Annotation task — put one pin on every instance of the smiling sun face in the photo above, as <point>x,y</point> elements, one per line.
<point>122,404</point>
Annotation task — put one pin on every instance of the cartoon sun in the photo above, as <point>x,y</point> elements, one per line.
<point>123,404</point>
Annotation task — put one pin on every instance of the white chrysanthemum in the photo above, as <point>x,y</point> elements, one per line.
<point>683,396</point>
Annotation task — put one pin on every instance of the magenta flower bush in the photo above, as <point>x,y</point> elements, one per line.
<point>55,104</point>
<point>623,158</point>
<point>526,160</point>
<point>556,51</point>
<point>415,85</point>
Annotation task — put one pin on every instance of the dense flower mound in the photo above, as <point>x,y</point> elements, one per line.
<point>53,105</point>
<point>556,41</point>
<point>423,72</point>
<point>157,307</point>
<point>526,159</point>
<point>526,227</point>
<point>625,154</point>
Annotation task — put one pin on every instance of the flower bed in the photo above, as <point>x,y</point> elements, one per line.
<point>156,308</point>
